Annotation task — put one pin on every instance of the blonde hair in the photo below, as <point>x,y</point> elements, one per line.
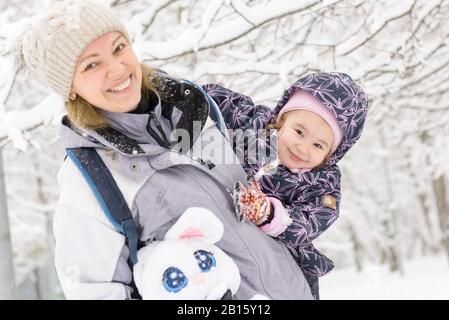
<point>277,124</point>
<point>84,115</point>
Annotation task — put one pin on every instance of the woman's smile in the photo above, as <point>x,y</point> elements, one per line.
<point>123,87</point>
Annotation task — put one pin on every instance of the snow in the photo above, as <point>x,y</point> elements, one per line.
<point>224,32</point>
<point>424,278</point>
<point>380,18</point>
<point>398,52</point>
<point>14,123</point>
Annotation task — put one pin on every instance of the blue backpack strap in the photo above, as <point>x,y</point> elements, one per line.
<point>215,114</point>
<point>107,193</point>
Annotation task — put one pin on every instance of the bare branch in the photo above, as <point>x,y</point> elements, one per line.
<point>238,10</point>
<point>377,31</point>
<point>183,46</point>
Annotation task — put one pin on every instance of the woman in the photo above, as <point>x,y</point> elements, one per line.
<point>128,114</point>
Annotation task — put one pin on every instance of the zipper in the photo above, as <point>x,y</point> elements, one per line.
<point>164,141</point>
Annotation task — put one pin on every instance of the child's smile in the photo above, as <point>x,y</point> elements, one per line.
<point>295,157</point>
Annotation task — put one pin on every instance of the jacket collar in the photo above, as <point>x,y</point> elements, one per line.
<point>133,125</point>
<point>128,131</point>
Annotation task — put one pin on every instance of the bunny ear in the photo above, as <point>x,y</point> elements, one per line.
<point>199,223</point>
<point>191,232</point>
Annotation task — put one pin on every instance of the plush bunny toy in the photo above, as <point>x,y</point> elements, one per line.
<point>187,264</point>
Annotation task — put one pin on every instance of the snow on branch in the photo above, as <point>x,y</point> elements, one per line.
<point>13,123</point>
<point>213,68</point>
<point>142,21</point>
<point>399,10</point>
<point>226,32</point>
<point>206,21</point>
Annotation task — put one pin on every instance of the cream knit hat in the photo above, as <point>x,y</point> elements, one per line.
<point>53,45</point>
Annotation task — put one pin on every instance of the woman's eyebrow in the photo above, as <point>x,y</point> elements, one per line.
<point>96,54</point>
<point>90,56</point>
<point>116,39</point>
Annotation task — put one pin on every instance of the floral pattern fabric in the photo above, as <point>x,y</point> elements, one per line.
<point>301,193</point>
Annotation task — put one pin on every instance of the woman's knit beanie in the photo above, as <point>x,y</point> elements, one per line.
<point>53,44</point>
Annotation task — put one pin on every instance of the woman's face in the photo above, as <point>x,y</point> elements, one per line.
<point>108,74</point>
<point>305,140</point>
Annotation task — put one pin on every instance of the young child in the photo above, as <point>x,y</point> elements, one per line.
<point>297,197</point>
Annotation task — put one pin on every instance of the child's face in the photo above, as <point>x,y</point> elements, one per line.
<point>108,74</point>
<point>305,140</point>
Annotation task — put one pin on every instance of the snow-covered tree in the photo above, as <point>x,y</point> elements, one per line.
<point>7,282</point>
<point>394,203</point>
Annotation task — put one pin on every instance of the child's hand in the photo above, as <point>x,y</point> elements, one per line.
<point>280,221</point>
<point>251,203</point>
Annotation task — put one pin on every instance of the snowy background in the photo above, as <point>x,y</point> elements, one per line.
<point>392,238</point>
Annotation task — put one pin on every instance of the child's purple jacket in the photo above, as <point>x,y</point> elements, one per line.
<point>302,193</point>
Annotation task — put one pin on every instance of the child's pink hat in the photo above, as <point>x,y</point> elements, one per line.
<point>301,100</point>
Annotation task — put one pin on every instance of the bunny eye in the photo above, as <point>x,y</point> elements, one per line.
<point>174,280</point>
<point>205,260</point>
